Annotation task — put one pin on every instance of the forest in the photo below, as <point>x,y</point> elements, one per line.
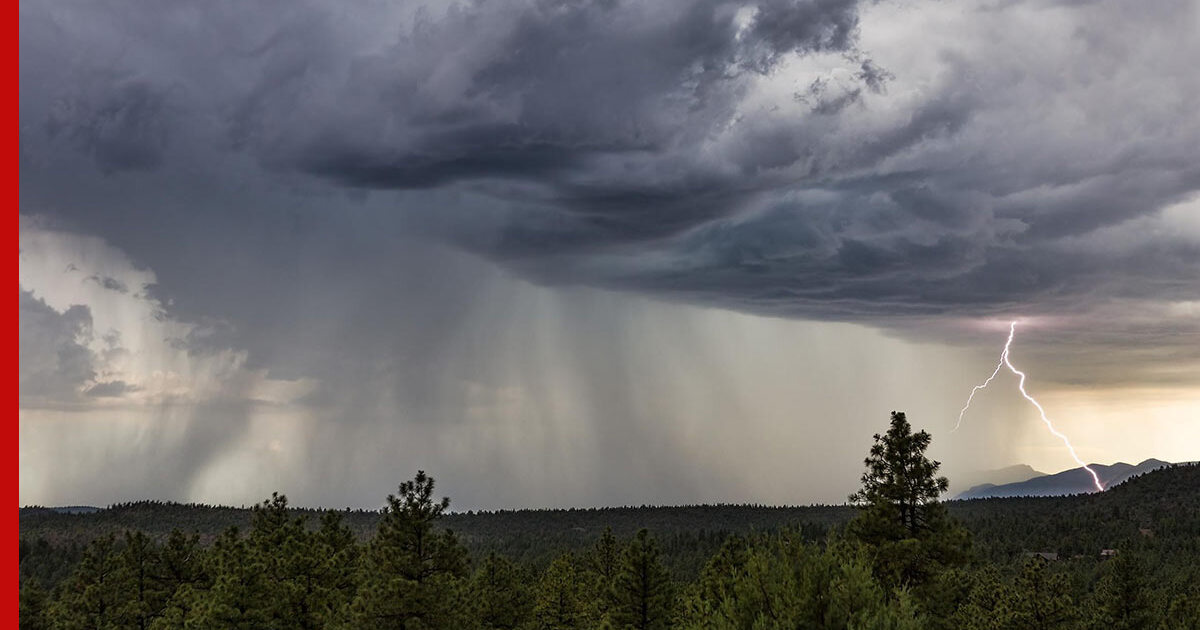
<point>895,557</point>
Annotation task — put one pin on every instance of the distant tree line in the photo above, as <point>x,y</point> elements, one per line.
<point>902,562</point>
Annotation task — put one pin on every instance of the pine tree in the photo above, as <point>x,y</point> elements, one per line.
<point>1039,600</point>
<point>181,561</point>
<point>559,603</point>
<point>500,597</point>
<point>32,602</point>
<point>602,561</point>
<point>643,595</point>
<point>779,582</point>
<point>769,589</point>
<point>986,604</point>
<point>292,565</point>
<point>92,594</point>
<point>854,598</point>
<point>338,552</point>
<point>900,517</point>
<point>139,578</point>
<point>1183,613</point>
<point>413,576</point>
<point>1122,596</point>
<point>723,570</point>
<point>240,595</point>
<point>184,575</point>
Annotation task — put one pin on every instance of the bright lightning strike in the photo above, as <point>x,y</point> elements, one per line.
<point>1006,362</point>
<point>977,388</point>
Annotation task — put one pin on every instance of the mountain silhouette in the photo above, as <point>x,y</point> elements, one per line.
<point>1073,481</point>
<point>990,478</point>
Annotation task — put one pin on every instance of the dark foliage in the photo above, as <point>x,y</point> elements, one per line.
<point>158,566</point>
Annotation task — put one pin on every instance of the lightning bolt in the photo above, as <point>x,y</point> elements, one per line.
<point>979,387</point>
<point>1005,361</point>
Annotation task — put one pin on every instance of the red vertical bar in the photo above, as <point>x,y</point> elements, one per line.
<point>12,339</point>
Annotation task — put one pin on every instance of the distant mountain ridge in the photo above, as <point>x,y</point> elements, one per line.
<point>1073,481</point>
<point>991,478</point>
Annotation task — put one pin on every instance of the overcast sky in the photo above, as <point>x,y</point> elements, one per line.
<point>562,252</point>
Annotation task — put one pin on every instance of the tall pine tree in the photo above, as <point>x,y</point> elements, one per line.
<point>413,575</point>
<point>602,561</point>
<point>140,575</point>
<point>643,595</point>
<point>900,517</point>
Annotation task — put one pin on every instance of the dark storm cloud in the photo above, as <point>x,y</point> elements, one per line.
<point>565,89</point>
<point>120,123</point>
<point>654,147</point>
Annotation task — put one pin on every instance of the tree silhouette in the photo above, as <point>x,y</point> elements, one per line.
<point>900,517</point>
<point>413,575</point>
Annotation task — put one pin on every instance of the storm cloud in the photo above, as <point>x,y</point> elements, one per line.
<point>346,197</point>
<point>641,145</point>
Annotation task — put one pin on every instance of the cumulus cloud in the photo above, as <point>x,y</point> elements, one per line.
<point>84,334</point>
<point>54,360</point>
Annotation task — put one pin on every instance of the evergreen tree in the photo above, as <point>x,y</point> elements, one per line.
<point>1183,613</point>
<point>986,605</point>
<point>721,574</point>
<point>92,594</point>
<point>184,609</point>
<point>335,578</point>
<point>643,595</point>
<point>240,595</point>
<point>139,578</point>
<point>181,561</point>
<point>900,517</point>
<point>559,603</point>
<point>32,602</point>
<point>293,564</point>
<point>1039,600</point>
<point>760,588</point>
<point>855,600</point>
<point>185,576</point>
<point>946,593</point>
<point>1122,595</point>
<point>413,575</point>
<point>783,583</point>
<point>500,597</point>
<point>603,561</point>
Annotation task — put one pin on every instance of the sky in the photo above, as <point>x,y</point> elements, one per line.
<point>572,253</point>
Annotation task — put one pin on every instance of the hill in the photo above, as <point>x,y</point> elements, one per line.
<point>1073,481</point>
<point>991,478</point>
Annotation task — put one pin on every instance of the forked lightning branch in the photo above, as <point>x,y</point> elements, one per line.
<point>1006,362</point>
